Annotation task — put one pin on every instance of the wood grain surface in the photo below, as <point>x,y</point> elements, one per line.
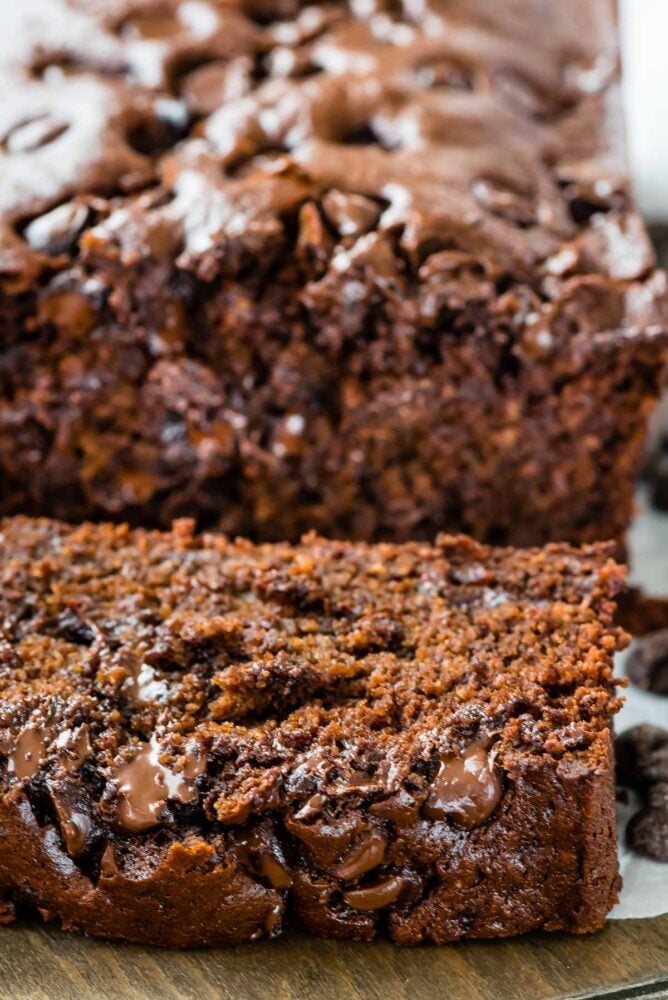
<point>628,959</point>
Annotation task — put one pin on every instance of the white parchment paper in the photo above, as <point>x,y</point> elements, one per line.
<point>645,890</point>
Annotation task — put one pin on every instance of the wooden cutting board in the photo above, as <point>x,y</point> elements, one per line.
<point>628,959</point>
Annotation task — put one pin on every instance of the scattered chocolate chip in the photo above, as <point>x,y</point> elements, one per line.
<point>272,921</point>
<point>75,748</point>
<point>312,808</point>
<point>275,871</point>
<point>314,243</point>
<point>466,789</point>
<point>264,855</point>
<point>647,832</point>
<point>647,663</point>
<point>642,756</point>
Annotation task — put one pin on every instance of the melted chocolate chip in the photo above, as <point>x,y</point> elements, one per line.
<point>35,133</point>
<point>275,872</point>
<point>351,214</point>
<point>73,812</point>
<point>363,858</point>
<point>501,200</point>
<point>210,86</point>
<point>312,808</point>
<point>375,895</point>
<point>25,761</point>
<point>273,920</point>
<point>466,789</point>
<point>195,762</point>
<point>144,786</point>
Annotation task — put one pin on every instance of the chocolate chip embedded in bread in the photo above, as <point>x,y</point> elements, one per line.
<point>74,814</point>
<point>375,895</point>
<point>466,789</point>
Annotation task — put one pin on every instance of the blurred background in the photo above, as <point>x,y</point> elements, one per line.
<point>644,28</point>
<point>644,33</point>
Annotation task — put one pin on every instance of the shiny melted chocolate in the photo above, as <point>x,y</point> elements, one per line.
<point>25,760</point>
<point>145,784</point>
<point>467,788</point>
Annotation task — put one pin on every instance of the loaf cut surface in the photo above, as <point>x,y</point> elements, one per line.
<point>205,741</point>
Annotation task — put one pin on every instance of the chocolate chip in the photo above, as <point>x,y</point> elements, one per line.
<point>33,134</point>
<point>314,243</point>
<point>265,856</point>
<point>57,231</point>
<point>647,832</point>
<point>210,86</point>
<point>27,756</point>
<point>362,858</point>
<point>375,895</point>
<point>350,214</point>
<point>523,94</point>
<point>466,789</point>
<point>501,200</point>
<point>647,664</point>
<point>69,625</point>
<point>445,73</point>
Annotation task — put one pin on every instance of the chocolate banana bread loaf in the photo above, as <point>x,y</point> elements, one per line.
<point>370,267</point>
<point>204,742</point>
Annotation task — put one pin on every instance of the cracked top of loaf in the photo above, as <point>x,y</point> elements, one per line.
<point>411,143</point>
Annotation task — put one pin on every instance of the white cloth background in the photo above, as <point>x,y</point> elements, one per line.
<point>644,26</point>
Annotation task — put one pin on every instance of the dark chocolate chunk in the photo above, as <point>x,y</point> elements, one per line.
<point>365,856</point>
